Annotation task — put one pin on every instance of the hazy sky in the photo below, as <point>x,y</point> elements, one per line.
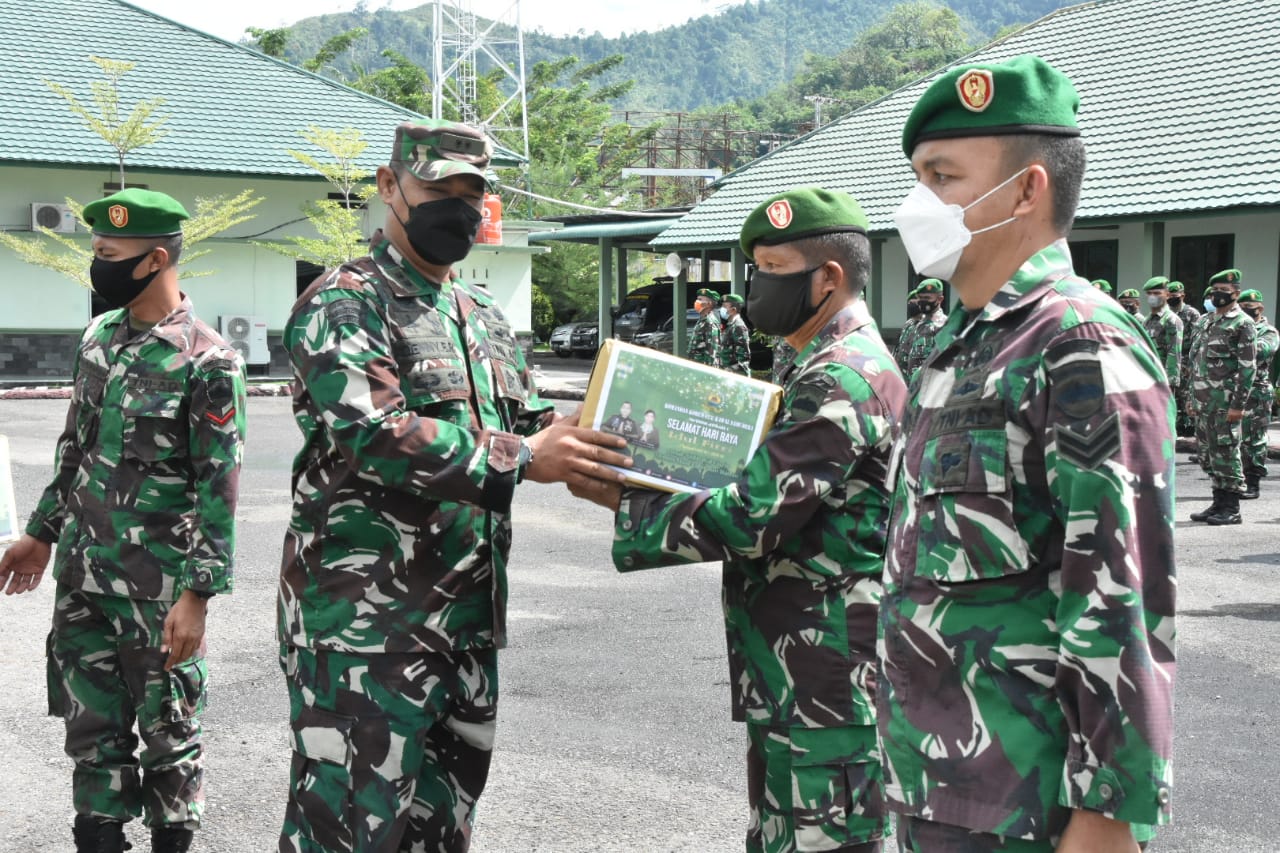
<point>228,18</point>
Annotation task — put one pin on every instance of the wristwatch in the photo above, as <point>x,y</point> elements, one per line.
<point>523,459</point>
<point>204,593</point>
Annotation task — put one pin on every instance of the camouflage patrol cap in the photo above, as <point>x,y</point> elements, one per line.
<point>1176,287</point>
<point>1227,277</point>
<point>929,287</point>
<point>733,299</point>
<point>1023,95</point>
<point>1158,282</point>
<point>800,213</point>
<point>707,293</point>
<point>1251,296</point>
<point>1131,293</point>
<point>1102,284</point>
<point>135,213</point>
<point>433,149</point>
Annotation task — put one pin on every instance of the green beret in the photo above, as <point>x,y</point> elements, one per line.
<point>1227,276</point>
<point>1102,284</point>
<point>929,286</point>
<point>1251,296</point>
<point>1176,287</point>
<point>1158,282</point>
<point>709,294</point>
<point>1024,95</point>
<point>800,213</point>
<point>733,299</point>
<point>1131,293</point>
<point>913,294</point>
<point>434,149</point>
<point>135,213</point>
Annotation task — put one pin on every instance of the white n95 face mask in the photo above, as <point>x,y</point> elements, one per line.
<point>933,232</point>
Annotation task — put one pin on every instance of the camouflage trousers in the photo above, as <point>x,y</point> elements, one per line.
<point>106,672</point>
<point>1219,443</point>
<point>390,751</point>
<point>924,836</point>
<point>814,790</point>
<point>1253,436</point>
<point>1185,424</point>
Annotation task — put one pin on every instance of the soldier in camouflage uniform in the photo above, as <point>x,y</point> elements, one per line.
<point>1025,700</point>
<point>1186,425</point>
<point>932,318</point>
<point>1253,439</point>
<point>735,342</point>
<point>1222,373</point>
<point>902,348</point>
<point>704,339</point>
<point>142,509</point>
<point>1129,300</point>
<point>418,418</point>
<point>1165,329</point>
<point>801,535</point>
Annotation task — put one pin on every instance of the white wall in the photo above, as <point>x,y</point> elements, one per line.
<point>245,279</point>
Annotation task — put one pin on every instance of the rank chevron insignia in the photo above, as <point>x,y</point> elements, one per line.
<point>1090,449</point>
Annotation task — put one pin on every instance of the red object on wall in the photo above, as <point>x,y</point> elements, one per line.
<point>491,225</point>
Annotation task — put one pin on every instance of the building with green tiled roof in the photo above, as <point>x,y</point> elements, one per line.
<point>1180,112</point>
<point>233,114</point>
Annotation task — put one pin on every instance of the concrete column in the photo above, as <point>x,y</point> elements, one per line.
<point>605,289</point>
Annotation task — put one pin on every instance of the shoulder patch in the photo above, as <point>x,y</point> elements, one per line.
<point>811,392</point>
<point>1088,448</point>
<point>344,312</point>
<point>1075,377</point>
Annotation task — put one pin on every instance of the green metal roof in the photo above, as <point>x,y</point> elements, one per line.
<point>1179,108</point>
<point>230,109</point>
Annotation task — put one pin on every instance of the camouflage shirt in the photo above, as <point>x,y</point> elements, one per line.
<point>801,534</point>
<point>1165,330</point>
<point>143,503</point>
<point>411,397</point>
<point>1267,342</point>
<point>1188,316</point>
<point>902,349</point>
<point>922,338</point>
<point>704,340</point>
<point>735,346</point>
<point>1222,366</point>
<point>1027,627</point>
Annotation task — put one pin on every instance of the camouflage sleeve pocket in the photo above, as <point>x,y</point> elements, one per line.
<point>185,694</point>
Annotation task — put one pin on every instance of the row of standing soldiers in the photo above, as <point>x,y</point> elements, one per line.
<point>721,337</point>
<point>1220,366</point>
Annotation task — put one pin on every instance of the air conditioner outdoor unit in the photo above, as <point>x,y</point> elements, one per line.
<point>55,217</point>
<point>248,335</point>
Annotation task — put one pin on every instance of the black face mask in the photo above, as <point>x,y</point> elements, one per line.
<point>927,308</point>
<point>114,281</point>
<point>442,231</point>
<point>1131,308</point>
<point>1175,302</point>
<point>779,304</point>
<point>913,309</point>
<point>1221,298</point>
<point>1255,313</point>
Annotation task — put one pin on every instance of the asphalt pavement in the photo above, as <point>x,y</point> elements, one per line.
<point>614,731</point>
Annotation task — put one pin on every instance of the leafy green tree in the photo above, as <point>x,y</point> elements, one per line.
<point>337,221</point>
<point>544,314</point>
<point>123,133</point>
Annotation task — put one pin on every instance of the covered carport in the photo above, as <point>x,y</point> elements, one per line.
<point>616,235</point>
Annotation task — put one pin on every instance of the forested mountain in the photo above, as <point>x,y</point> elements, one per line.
<point>739,53</point>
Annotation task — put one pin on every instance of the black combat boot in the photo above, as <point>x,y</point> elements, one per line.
<point>170,839</point>
<point>1228,511</point>
<point>1203,515</point>
<point>98,835</point>
<point>1251,484</point>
